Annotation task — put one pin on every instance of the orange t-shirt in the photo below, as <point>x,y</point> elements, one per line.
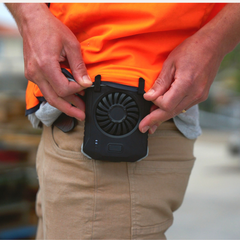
<point>125,41</point>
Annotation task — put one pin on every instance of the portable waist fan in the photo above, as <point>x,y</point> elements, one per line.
<point>113,113</point>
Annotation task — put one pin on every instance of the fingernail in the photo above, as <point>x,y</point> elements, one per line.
<point>144,129</point>
<point>154,128</point>
<point>150,92</point>
<point>86,79</point>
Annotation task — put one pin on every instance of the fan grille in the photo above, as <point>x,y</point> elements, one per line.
<point>117,113</point>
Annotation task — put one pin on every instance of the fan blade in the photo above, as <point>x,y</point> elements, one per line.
<point>102,118</point>
<point>124,128</point>
<point>126,100</point>
<point>129,125</point>
<point>108,127</point>
<point>132,120</point>
<point>133,109</point>
<point>103,107</point>
<point>119,128</point>
<point>110,98</point>
<point>101,112</point>
<point>121,98</point>
<point>104,100</point>
<point>113,130</point>
<point>116,97</point>
<point>133,115</point>
<point>130,104</point>
<point>104,123</point>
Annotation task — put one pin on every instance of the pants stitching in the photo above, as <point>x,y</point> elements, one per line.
<point>95,197</point>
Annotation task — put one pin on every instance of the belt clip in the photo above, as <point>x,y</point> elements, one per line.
<point>97,83</point>
<point>141,85</point>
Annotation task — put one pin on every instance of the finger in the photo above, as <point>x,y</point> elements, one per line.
<point>153,107</point>
<point>76,101</point>
<point>162,83</point>
<point>59,83</point>
<point>154,118</point>
<point>82,93</point>
<point>61,104</point>
<point>173,97</point>
<point>154,128</point>
<point>77,65</point>
<point>186,104</point>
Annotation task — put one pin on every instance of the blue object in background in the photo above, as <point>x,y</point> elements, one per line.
<point>19,233</point>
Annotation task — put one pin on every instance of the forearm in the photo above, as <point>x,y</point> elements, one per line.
<point>28,13</point>
<point>47,42</point>
<point>189,70</point>
<point>224,29</point>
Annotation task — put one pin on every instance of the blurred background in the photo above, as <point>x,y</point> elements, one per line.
<point>18,140</point>
<point>211,209</point>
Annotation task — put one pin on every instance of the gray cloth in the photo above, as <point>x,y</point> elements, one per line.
<point>187,123</point>
<point>46,114</point>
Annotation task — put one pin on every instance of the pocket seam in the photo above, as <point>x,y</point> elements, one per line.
<point>138,231</point>
<point>62,152</point>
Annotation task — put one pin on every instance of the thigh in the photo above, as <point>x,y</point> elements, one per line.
<point>66,180</point>
<point>80,198</point>
<point>88,199</point>
<point>158,183</point>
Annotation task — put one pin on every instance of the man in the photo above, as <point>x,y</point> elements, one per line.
<point>177,49</point>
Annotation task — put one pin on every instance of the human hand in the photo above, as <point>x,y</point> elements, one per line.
<point>184,81</point>
<point>46,43</point>
<point>191,67</point>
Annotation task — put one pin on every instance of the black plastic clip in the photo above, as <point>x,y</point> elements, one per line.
<point>141,85</point>
<point>67,73</point>
<point>97,83</point>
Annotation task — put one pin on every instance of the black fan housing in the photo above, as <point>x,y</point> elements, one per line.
<point>117,113</point>
<point>111,125</point>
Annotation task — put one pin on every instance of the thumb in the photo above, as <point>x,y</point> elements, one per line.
<point>78,66</point>
<point>162,83</point>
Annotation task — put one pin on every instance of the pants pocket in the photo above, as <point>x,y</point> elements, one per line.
<point>67,183</point>
<point>157,190</point>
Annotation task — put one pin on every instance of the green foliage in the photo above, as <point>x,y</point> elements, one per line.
<point>231,60</point>
<point>226,86</point>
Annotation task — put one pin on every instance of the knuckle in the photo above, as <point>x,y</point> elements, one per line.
<point>187,83</point>
<point>160,81</point>
<point>205,97</point>
<point>43,63</point>
<point>61,92</point>
<point>50,101</point>
<point>68,112</point>
<point>80,66</point>
<point>73,44</point>
<point>29,72</point>
<point>154,121</point>
<point>166,107</point>
<point>199,97</point>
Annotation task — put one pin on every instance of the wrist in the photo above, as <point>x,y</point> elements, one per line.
<point>26,14</point>
<point>223,30</point>
<point>212,41</point>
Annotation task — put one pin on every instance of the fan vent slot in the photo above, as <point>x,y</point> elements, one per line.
<point>117,113</point>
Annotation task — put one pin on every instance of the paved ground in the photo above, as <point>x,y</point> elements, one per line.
<point>211,209</point>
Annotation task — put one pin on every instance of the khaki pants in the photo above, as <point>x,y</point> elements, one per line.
<point>88,199</point>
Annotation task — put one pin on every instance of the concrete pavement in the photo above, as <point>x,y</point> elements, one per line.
<point>211,209</point>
